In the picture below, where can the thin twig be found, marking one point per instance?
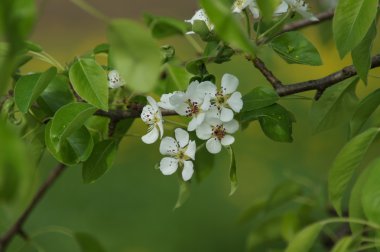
(259, 64)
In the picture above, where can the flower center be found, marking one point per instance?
(220, 99)
(219, 131)
(193, 108)
(181, 155)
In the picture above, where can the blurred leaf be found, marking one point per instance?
(100, 160)
(31, 46)
(344, 244)
(259, 97)
(267, 8)
(233, 177)
(102, 48)
(227, 26)
(283, 193)
(134, 54)
(90, 81)
(355, 208)
(74, 149)
(345, 164)
(197, 66)
(304, 240)
(201, 28)
(167, 52)
(371, 193)
(183, 194)
(293, 47)
(175, 78)
(163, 27)
(352, 20)
(363, 111)
(88, 243)
(204, 163)
(29, 87)
(335, 107)
(69, 119)
(361, 54)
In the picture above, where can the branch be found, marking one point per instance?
(17, 228)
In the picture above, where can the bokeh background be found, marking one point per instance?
(130, 209)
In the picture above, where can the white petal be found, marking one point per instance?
(177, 98)
(235, 102)
(168, 146)
(232, 126)
(206, 103)
(200, 118)
(114, 79)
(152, 102)
(227, 140)
(148, 114)
(182, 137)
(191, 149)
(193, 124)
(229, 83)
(165, 102)
(188, 170)
(281, 9)
(207, 88)
(213, 145)
(226, 114)
(204, 131)
(255, 11)
(168, 165)
(191, 91)
(151, 137)
(213, 112)
(160, 126)
(183, 109)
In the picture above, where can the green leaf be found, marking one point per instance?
(304, 240)
(335, 107)
(355, 208)
(88, 243)
(29, 87)
(101, 159)
(163, 27)
(352, 20)
(201, 28)
(183, 193)
(267, 8)
(101, 48)
(90, 81)
(294, 48)
(371, 193)
(345, 164)
(363, 111)
(233, 177)
(74, 149)
(31, 46)
(344, 244)
(260, 97)
(361, 54)
(227, 26)
(134, 54)
(122, 128)
(69, 119)
(175, 78)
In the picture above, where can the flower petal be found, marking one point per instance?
(213, 112)
(183, 109)
(160, 126)
(193, 124)
(168, 146)
(232, 126)
(204, 131)
(152, 102)
(281, 9)
(213, 145)
(177, 98)
(188, 170)
(229, 83)
(206, 104)
(207, 88)
(168, 165)
(151, 136)
(227, 140)
(235, 102)
(226, 114)
(114, 79)
(191, 149)
(182, 137)
(165, 102)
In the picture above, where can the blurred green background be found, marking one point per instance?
(130, 209)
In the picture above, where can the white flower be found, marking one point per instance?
(226, 101)
(165, 101)
(201, 16)
(300, 7)
(114, 79)
(194, 102)
(180, 151)
(151, 115)
(217, 133)
(240, 5)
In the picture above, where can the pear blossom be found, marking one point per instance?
(201, 16)
(227, 100)
(299, 6)
(115, 80)
(165, 101)
(180, 151)
(240, 5)
(193, 103)
(151, 115)
(217, 133)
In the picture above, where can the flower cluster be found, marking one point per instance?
(211, 112)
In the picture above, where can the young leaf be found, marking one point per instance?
(226, 25)
(345, 164)
(88, 243)
(29, 87)
(260, 97)
(233, 177)
(90, 81)
(100, 160)
(183, 194)
(344, 244)
(69, 119)
(294, 48)
(361, 54)
(363, 111)
(163, 27)
(351, 22)
(335, 106)
(135, 54)
(304, 240)
(371, 193)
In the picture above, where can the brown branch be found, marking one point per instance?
(17, 228)
(259, 64)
